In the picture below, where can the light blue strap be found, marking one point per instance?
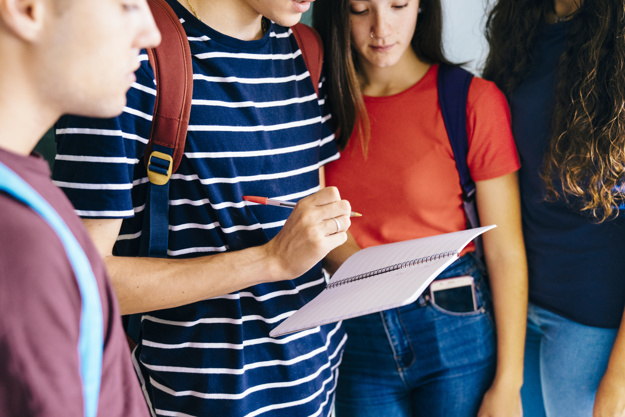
(90, 343)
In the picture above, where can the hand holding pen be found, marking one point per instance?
(317, 225)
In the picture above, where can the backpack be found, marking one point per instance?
(173, 72)
(453, 90)
(91, 338)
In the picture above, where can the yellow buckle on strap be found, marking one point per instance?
(159, 168)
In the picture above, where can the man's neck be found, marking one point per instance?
(23, 120)
(233, 18)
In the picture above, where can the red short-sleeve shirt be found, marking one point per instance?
(408, 185)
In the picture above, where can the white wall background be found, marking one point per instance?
(463, 29)
(463, 32)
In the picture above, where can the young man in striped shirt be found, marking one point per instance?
(234, 270)
(60, 56)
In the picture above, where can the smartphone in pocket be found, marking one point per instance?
(454, 294)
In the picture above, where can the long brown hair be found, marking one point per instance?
(586, 155)
(331, 19)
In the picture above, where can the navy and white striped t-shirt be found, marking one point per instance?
(257, 128)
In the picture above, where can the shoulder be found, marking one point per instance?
(483, 91)
(492, 151)
(40, 304)
(31, 250)
(37, 284)
(486, 101)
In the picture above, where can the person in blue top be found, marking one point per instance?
(561, 64)
(234, 269)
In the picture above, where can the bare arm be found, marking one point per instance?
(499, 203)
(610, 399)
(147, 284)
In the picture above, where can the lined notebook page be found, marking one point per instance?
(383, 291)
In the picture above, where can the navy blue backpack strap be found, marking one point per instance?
(91, 339)
(173, 71)
(453, 91)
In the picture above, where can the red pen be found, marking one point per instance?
(289, 204)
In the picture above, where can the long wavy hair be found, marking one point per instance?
(331, 19)
(586, 156)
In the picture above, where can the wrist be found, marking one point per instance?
(339, 255)
(508, 378)
(615, 373)
(272, 264)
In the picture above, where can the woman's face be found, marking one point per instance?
(381, 30)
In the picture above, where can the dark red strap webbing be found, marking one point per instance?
(309, 42)
(171, 62)
(174, 83)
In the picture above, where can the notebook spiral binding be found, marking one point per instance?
(390, 268)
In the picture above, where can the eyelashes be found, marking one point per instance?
(362, 12)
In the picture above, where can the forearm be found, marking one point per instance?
(508, 278)
(610, 398)
(616, 365)
(499, 203)
(148, 284)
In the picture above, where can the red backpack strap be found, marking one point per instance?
(173, 71)
(310, 44)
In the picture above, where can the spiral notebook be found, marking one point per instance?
(380, 277)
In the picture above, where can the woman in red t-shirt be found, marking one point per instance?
(438, 356)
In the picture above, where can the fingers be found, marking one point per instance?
(335, 240)
(334, 213)
(336, 225)
(324, 196)
(327, 204)
(317, 225)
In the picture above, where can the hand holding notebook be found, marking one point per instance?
(380, 277)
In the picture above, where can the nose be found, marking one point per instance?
(148, 35)
(381, 26)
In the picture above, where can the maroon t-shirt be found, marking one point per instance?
(40, 313)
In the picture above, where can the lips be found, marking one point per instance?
(301, 6)
(131, 75)
(382, 48)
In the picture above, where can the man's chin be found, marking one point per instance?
(292, 16)
(288, 21)
(101, 109)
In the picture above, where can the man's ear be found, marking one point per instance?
(24, 18)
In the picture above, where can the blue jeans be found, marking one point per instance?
(419, 360)
(564, 363)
